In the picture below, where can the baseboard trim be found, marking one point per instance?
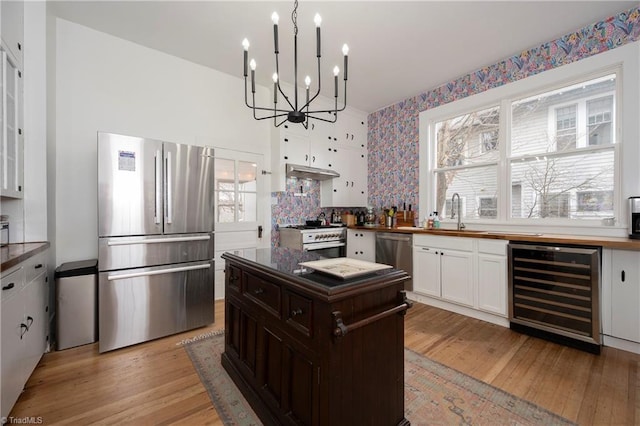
(459, 309)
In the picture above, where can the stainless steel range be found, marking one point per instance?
(327, 241)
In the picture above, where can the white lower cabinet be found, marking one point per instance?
(621, 295)
(464, 275)
(361, 245)
(492, 276)
(443, 267)
(24, 326)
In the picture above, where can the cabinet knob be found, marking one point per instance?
(38, 266)
(258, 291)
(296, 311)
(8, 286)
(622, 276)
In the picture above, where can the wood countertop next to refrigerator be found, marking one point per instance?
(14, 254)
(621, 243)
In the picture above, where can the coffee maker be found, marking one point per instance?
(634, 217)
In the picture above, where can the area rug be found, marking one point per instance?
(434, 393)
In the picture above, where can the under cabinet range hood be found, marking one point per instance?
(306, 172)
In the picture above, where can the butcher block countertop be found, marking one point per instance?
(532, 237)
(12, 254)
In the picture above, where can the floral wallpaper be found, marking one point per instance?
(393, 131)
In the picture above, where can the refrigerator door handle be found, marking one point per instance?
(157, 272)
(158, 240)
(158, 183)
(168, 179)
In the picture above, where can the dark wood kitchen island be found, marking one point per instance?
(309, 348)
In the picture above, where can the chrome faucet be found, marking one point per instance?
(456, 211)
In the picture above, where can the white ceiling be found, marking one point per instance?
(398, 49)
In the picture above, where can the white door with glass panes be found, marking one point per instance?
(241, 202)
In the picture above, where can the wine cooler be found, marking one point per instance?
(554, 293)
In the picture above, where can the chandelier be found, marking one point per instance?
(297, 112)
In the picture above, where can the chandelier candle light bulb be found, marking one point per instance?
(345, 52)
(275, 18)
(245, 45)
(252, 64)
(275, 87)
(297, 113)
(318, 20)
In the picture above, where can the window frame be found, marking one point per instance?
(622, 62)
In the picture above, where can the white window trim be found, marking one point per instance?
(625, 62)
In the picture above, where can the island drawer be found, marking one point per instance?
(298, 312)
(263, 293)
(233, 277)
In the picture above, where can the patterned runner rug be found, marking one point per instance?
(434, 393)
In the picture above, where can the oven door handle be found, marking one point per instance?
(321, 246)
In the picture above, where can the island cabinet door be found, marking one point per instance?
(365, 375)
(241, 339)
(285, 379)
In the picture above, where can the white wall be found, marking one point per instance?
(35, 119)
(103, 83)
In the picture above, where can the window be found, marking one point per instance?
(447, 212)
(467, 154)
(599, 116)
(489, 141)
(553, 170)
(554, 205)
(595, 201)
(236, 191)
(566, 128)
(488, 207)
(557, 156)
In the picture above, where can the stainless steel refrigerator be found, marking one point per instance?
(156, 241)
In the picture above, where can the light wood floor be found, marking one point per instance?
(155, 383)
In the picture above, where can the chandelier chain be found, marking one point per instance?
(294, 17)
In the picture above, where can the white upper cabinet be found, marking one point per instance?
(350, 159)
(351, 131)
(350, 189)
(11, 97)
(11, 123)
(339, 146)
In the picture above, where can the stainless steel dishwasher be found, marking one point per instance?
(396, 249)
